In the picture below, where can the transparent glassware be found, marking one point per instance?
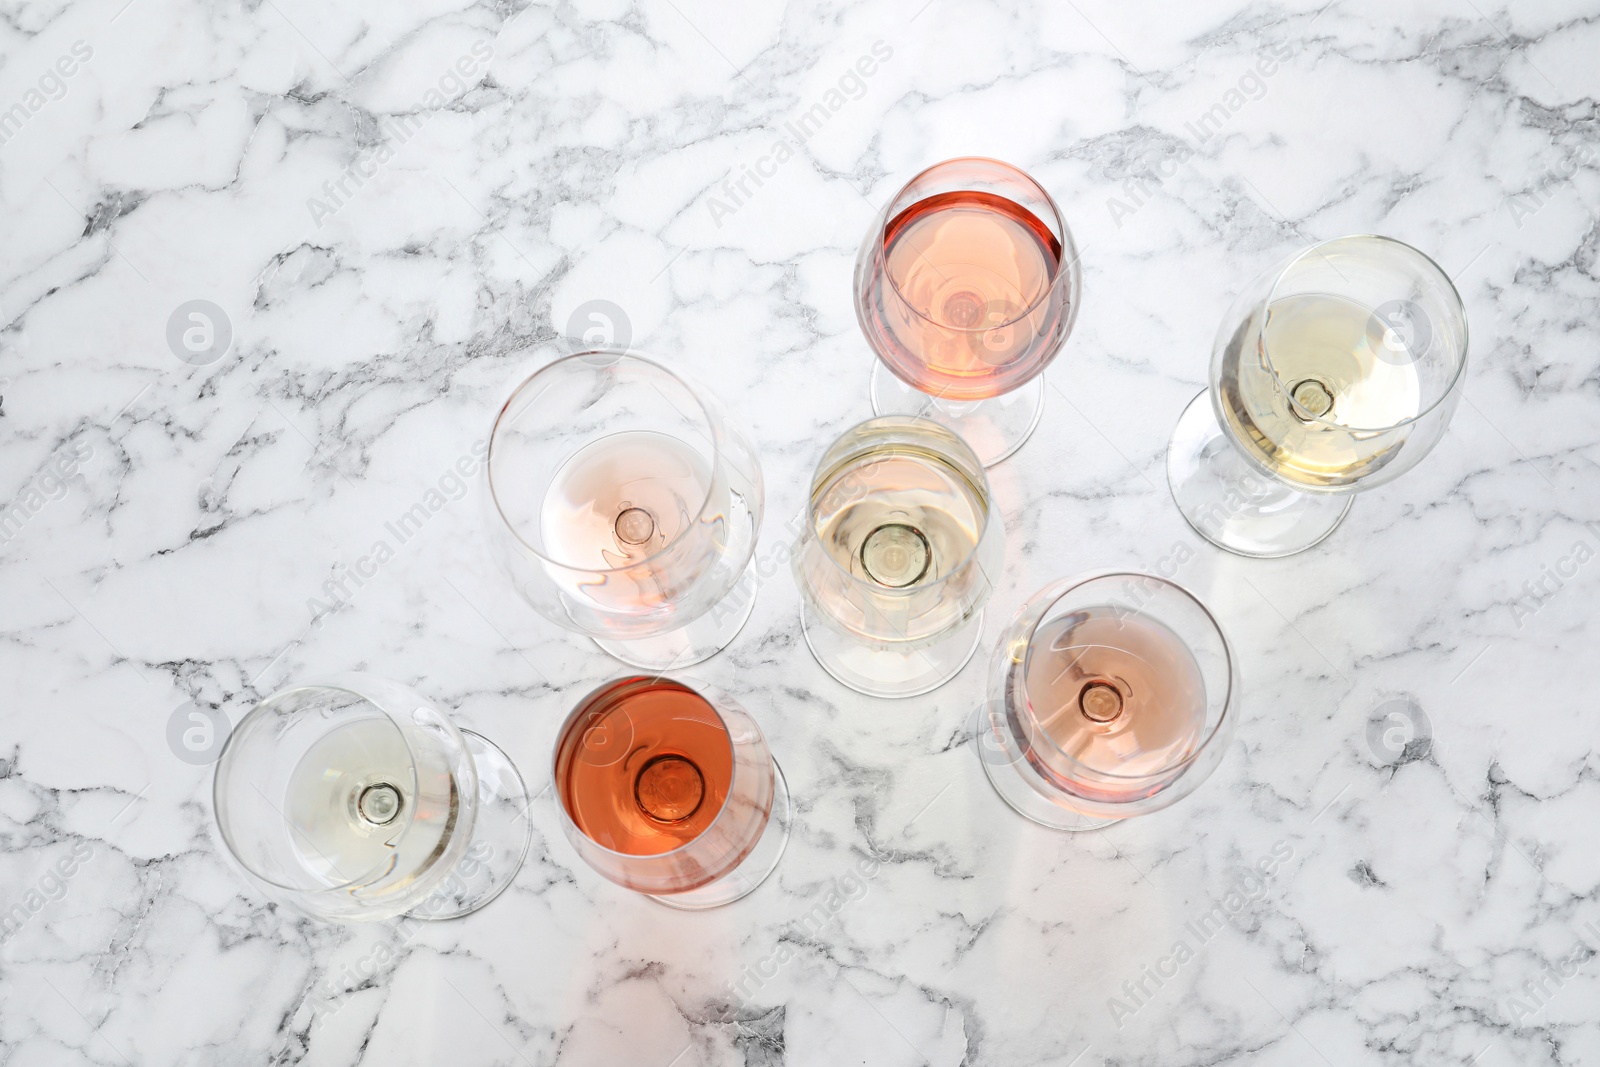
(966, 287)
(624, 506)
(1112, 695)
(1335, 371)
(669, 789)
(897, 554)
(353, 798)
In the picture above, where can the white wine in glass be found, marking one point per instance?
(353, 798)
(1335, 371)
(897, 555)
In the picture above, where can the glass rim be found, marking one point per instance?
(1070, 585)
(705, 411)
(1456, 303)
(344, 683)
(810, 531)
(570, 825)
(1065, 262)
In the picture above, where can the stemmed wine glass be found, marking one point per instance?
(898, 552)
(1112, 695)
(1335, 371)
(670, 790)
(354, 798)
(966, 287)
(625, 506)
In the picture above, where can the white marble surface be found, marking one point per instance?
(586, 160)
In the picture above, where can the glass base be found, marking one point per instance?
(1006, 772)
(754, 869)
(995, 428)
(500, 836)
(696, 642)
(1232, 504)
(880, 672)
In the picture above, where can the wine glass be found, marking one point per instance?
(966, 287)
(1113, 695)
(624, 506)
(898, 552)
(1335, 371)
(670, 790)
(353, 798)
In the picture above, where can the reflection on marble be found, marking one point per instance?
(399, 208)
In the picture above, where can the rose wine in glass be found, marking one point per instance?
(622, 498)
(970, 266)
(966, 288)
(671, 790)
(646, 768)
(1122, 696)
(624, 506)
(1113, 696)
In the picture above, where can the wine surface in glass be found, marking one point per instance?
(621, 499)
(352, 809)
(899, 516)
(644, 767)
(1117, 692)
(971, 270)
(1350, 375)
